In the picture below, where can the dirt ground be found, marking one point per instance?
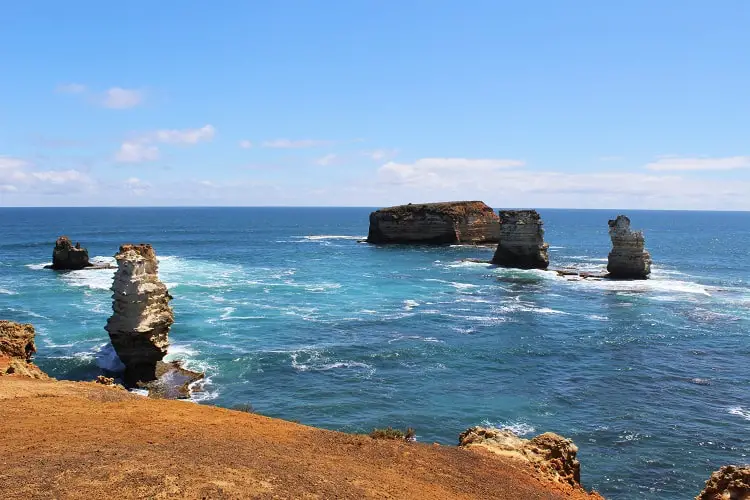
(84, 440)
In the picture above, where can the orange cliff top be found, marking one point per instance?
(85, 440)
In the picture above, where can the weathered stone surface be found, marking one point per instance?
(549, 453)
(16, 350)
(172, 381)
(139, 325)
(728, 483)
(521, 241)
(628, 258)
(471, 222)
(67, 256)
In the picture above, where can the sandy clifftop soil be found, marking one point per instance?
(85, 440)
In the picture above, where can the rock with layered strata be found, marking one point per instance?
(142, 316)
(731, 482)
(628, 258)
(521, 241)
(69, 257)
(16, 350)
(549, 453)
(470, 222)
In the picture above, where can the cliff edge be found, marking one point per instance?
(471, 222)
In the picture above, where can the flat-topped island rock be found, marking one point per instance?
(470, 222)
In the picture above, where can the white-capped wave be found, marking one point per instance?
(740, 412)
(319, 237)
(597, 317)
(36, 267)
(410, 304)
(414, 337)
(5, 291)
(518, 428)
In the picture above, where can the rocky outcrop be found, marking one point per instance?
(471, 222)
(549, 453)
(728, 483)
(139, 325)
(173, 381)
(16, 350)
(69, 257)
(628, 258)
(521, 241)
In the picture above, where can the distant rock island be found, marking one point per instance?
(628, 258)
(470, 222)
(521, 241)
(69, 257)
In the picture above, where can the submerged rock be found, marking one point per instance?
(16, 350)
(470, 222)
(139, 325)
(521, 241)
(628, 258)
(549, 453)
(67, 257)
(172, 381)
(728, 483)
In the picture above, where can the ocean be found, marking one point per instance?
(285, 309)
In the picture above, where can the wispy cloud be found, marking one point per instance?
(245, 144)
(442, 170)
(112, 98)
(17, 174)
(676, 164)
(137, 186)
(71, 88)
(381, 154)
(295, 144)
(143, 148)
(327, 159)
(120, 98)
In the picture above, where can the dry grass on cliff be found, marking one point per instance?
(85, 440)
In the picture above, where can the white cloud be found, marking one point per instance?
(381, 154)
(676, 164)
(8, 188)
(295, 144)
(185, 136)
(327, 159)
(9, 163)
(136, 152)
(71, 88)
(60, 176)
(120, 98)
(137, 186)
(142, 149)
(245, 144)
(442, 171)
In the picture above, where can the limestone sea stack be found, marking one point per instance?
(471, 222)
(16, 350)
(728, 483)
(628, 258)
(551, 454)
(139, 325)
(521, 241)
(69, 257)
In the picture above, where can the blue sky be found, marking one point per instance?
(581, 104)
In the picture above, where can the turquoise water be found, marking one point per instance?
(284, 309)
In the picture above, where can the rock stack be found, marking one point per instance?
(139, 325)
(521, 241)
(67, 257)
(16, 349)
(550, 453)
(628, 258)
(471, 222)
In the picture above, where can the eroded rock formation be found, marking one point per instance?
(16, 349)
(470, 222)
(728, 483)
(67, 256)
(549, 453)
(139, 325)
(628, 258)
(521, 241)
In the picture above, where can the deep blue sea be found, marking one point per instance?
(284, 309)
